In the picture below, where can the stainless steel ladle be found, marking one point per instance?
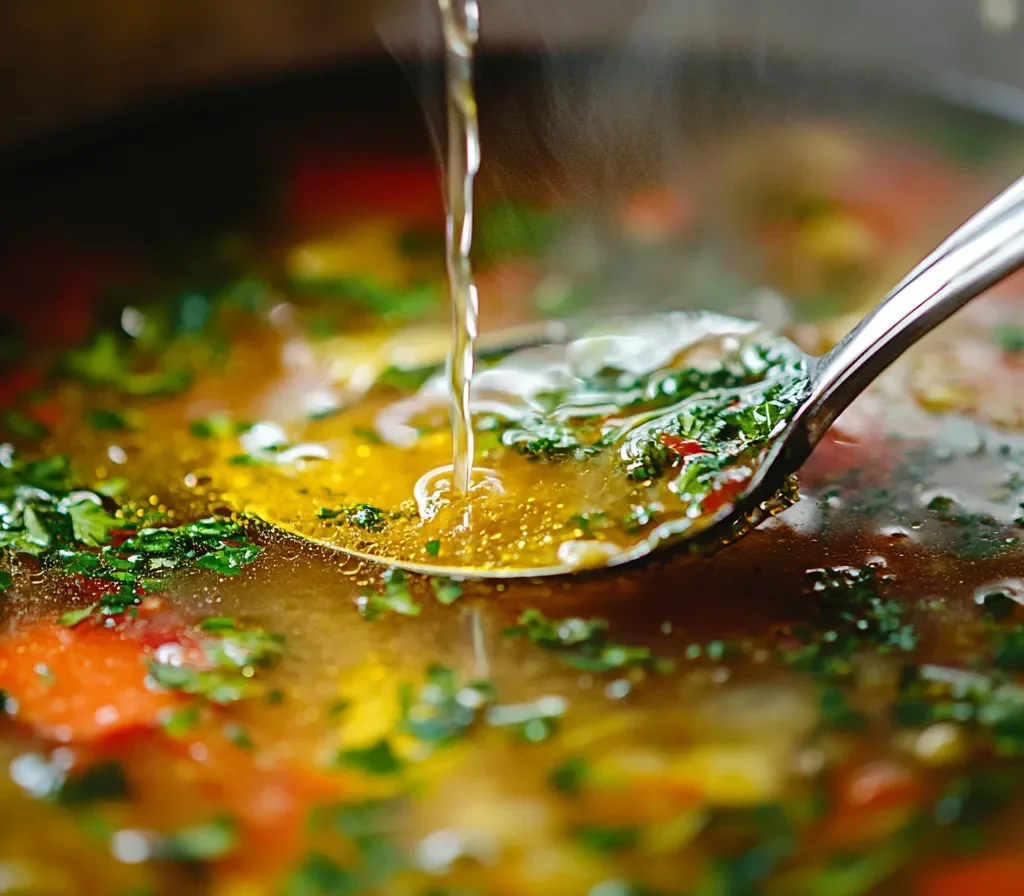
(983, 251)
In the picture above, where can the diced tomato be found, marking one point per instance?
(680, 446)
(878, 785)
(994, 876)
(727, 493)
(87, 683)
(871, 800)
(324, 188)
(656, 214)
(270, 802)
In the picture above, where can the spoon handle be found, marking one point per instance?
(983, 251)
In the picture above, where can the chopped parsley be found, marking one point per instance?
(1010, 338)
(447, 591)
(850, 598)
(376, 759)
(42, 508)
(112, 362)
(362, 830)
(24, 426)
(105, 419)
(442, 710)
(141, 560)
(604, 840)
(583, 643)
(387, 302)
(395, 598)
(179, 722)
(231, 655)
(570, 777)
(74, 617)
(362, 516)
(217, 426)
(199, 843)
(102, 782)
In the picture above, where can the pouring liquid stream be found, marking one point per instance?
(460, 24)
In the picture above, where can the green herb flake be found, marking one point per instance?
(369, 435)
(583, 643)
(605, 840)
(395, 598)
(1010, 338)
(446, 590)
(320, 875)
(109, 361)
(362, 516)
(181, 721)
(201, 843)
(74, 617)
(570, 777)
(337, 708)
(229, 561)
(102, 782)
(217, 426)
(233, 653)
(377, 759)
(107, 420)
(238, 736)
(443, 710)
(387, 302)
(20, 424)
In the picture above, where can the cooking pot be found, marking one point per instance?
(79, 60)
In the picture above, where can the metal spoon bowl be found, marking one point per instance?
(983, 251)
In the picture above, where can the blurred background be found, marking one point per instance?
(784, 159)
(68, 62)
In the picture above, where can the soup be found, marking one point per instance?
(198, 700)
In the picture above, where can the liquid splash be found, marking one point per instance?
(460, 21)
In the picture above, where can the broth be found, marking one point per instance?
(196, 701)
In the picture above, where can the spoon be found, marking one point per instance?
(983, 251)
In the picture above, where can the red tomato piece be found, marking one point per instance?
(879, 785)
(87, 683)
(680, 446)
(271, 803)
(994, 876)
(872, 800)
(726, 493)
